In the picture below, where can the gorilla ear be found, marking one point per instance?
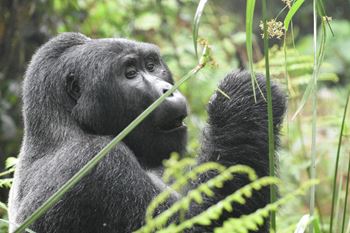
(72, 86)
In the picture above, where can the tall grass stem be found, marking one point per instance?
(337, 162)
(314, 117)
(269, 116)
(346, 197)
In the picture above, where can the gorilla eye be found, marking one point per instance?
(150, 66)
(130, 72)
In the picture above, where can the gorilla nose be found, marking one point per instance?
(167, 89)
(172, 111)
(177, 102)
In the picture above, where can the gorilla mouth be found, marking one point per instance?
(173, 124)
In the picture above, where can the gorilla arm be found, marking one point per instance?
(237, 133)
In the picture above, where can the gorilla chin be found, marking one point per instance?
(154, 149)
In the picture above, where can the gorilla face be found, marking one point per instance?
(121, 80)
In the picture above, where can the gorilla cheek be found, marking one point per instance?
(82, 114)
(92, 116)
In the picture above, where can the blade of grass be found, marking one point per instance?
(196, 22)
(322, 12)
(337, 162)
(295, 7)
(311, 88)
(5, 173)
(317, 225)
(249, 40)
(292, 32)
(314, 117)
(302, 224)
(317, 66)
(271, 138)
(346, 196)
(338, 201)
(322, 50)
(280, 12)
(93, 162)
(223, 93)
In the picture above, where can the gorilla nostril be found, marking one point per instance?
(165, 90)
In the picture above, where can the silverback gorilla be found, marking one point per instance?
(79, 93)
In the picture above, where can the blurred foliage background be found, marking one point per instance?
(25, 25)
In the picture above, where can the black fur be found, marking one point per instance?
(78, 93)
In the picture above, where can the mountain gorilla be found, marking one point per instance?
(79, 93)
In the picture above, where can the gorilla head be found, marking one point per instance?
(100, 86)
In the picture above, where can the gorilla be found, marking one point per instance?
(79, 93)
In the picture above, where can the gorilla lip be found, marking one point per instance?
(173, 124)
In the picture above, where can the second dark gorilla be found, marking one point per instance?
(79, 93)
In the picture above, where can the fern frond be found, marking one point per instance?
(196, 194)
(251, 222)
(214, 212)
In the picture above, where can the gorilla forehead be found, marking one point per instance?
(120, 47)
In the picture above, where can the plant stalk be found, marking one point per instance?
(314, 118)
(271, 138)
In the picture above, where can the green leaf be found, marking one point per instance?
(302, 224)
(249, 40)
(251, 225)
(295, 7)
(340, 140)
(214, 213)
(317, 225)
(197, 197)
(227, 207)
(6, 183)
(346, 198)
(322, 12)
(259, 219)
(204, 221)
(219, 184)
(206, 190)
(10, 162)
(307, 93)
